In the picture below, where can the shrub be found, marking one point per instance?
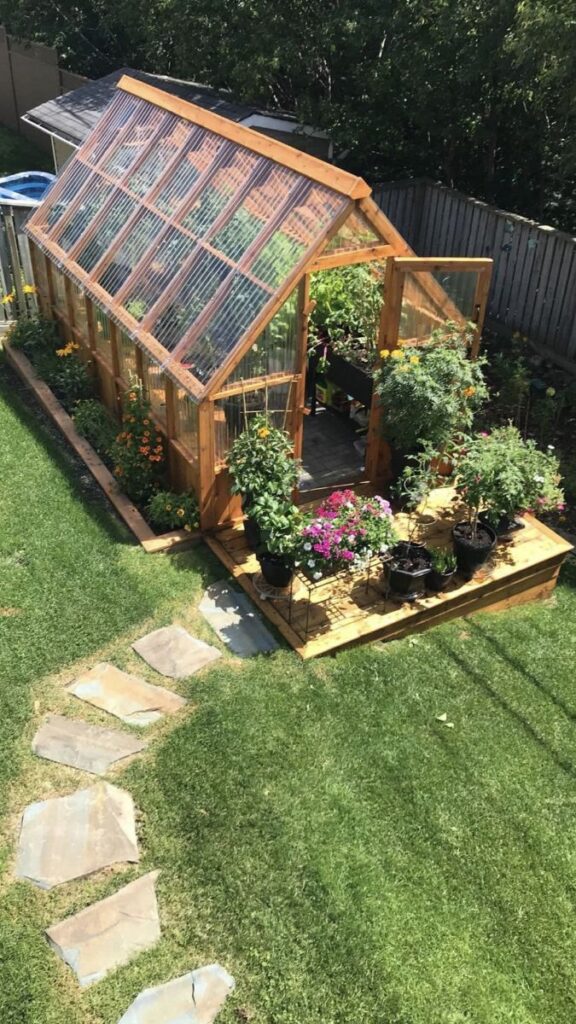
(169, 511)
(279, 521)
(96, 424)
(69, 378)
(34, 336)
(504, 475)
(261, 461)
(138, 451)
(430, 392)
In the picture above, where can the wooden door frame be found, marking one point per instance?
(378, 451)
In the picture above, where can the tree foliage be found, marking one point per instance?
(478, 94)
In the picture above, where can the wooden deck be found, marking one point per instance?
(353, 608)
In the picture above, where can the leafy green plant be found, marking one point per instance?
(138, 451)
(137, 308)
(442, 561)
(69, 378)
(34, 336)
(430, 392)
(504, 475)
(413, 487)
(347, 311)
(510, 378)
(167, 510)
(261, 462)
(96, 424)
(279, 521)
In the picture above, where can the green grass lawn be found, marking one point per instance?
(17, 153)
(349, 858)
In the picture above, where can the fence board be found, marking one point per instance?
(533, 286)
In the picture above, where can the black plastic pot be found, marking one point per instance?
(472, 552)
(252, 533)
(504, 527)
(407, 584)
(439, 581)
(351, 378)
(277, 570)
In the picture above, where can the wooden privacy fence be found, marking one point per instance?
(15, 263)
(534, 278)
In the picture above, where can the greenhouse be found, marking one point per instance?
(190, 252)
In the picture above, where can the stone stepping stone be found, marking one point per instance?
(173, 652)
(195, 998)
(73, 836)
(109, 933)
(128, 697)
(79, 745)
(234, 618)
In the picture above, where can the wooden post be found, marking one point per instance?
(480, 302)
(378, 452)
(206, 489)
(304, 311)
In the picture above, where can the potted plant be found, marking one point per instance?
(442, 571)
(515, 476)
(279, 522)
(261, 462)
(345, 532)
(430, 391)
(409, 563)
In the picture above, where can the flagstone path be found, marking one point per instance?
(110, 932)
(71, 837)
(86, 747)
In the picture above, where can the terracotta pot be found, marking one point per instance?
(442, 466)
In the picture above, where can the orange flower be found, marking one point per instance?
(468, 392)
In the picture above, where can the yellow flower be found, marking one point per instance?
(29, 289)
(8, 298)
(187, 527)
(397, 354)
(168, 508)
(550, 392)
(404, 368)
(415, 360)
(384, 353)
(263, 432)
(180, 512)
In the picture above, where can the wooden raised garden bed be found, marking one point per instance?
(352, 608)
(150, 541)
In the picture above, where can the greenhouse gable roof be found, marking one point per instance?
(187, 229)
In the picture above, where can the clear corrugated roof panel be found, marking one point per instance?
(180, 234)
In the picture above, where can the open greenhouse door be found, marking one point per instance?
(422, 294)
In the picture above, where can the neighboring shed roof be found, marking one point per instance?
(74, 115)
(186, 228)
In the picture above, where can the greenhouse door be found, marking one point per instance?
(421, 294)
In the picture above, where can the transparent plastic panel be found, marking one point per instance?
(257, 209)
(243, 302)
(232, 414)
(102, 335)
(103, 237)
(59, 291)
(78, 299)
(460, 287)
(355, 233)
(225, 184)
(122, 110)
(154, 383)
(133, 141)
(156, 272)
(187, 422)
(62, 196)
(159, 156)
(94, 198)
(184, 306)
(127, 257)
(199, 156)
(426, 305)
(126, 358)
(276, 349)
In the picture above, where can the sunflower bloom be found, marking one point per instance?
(263, 432)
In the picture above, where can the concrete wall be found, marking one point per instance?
(29, 75)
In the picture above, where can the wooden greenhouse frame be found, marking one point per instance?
(154, 167)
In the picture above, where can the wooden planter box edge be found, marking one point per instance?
(150, 541)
